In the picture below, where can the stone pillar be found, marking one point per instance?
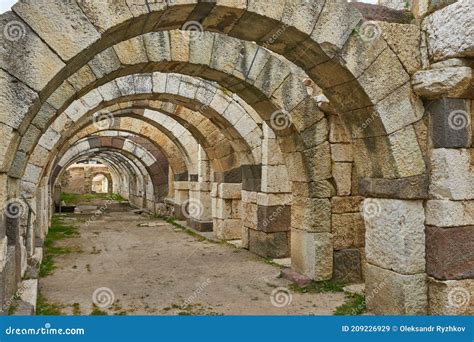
(450, 209)
(268, 208)
(181, 196)
(226, 210)
(395, 253)
(198, 207)
(347, 223)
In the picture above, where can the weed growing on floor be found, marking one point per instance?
(73, 199)
(318, 287)
(76, 309)
(355, 305)
(58, 231)
(43, 308)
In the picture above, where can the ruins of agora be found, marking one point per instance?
(304, 157)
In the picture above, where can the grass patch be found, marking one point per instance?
(72, 199)
(355, 305)
(43, 308)
(97, 312)
(318, 287)
(58, 231)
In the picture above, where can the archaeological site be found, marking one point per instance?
(237, 157)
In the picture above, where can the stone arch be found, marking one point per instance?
(311, 41)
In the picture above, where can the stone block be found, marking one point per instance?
(348, 231)
(452, 174)
(346, 204)
(446, 31)
(392, 293)
(276, 218)
(347, 266)
(450, 252)
(341, 152)
(311, 214)
(444, 213)
(450, 122)
(443, 82)
(415, 187)
(269, 245)
(395, 234)
(312, 254)
(341, 173)
(228, 229)
(229, 190)
(451, 297)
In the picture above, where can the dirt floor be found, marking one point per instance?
(120, 268)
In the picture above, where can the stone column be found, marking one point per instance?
(181, 196)
(198, 207)
(226, 210)
(268, 225)
(450, 208)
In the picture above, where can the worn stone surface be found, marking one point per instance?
(348, 230)
(449, 252)
(452, 174)
(269, 245)
(395, 237)
(450, 122)
(312, 254)
(446, 31)
(445, 213)
(347, 266)
(451, 297)
(391, 293)
(450, 82)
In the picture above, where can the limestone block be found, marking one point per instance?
(105, 62)
(269, 245)
(228, 229)
(77, 32)
(347, 266)
(15, 100)
(404, 40)
(341, 173)
(337, 132)
(312, 254)
(348, 231)
(131, 51)
(449, 31)
(451, 297)
(24, 55)
(392, 293)
(312, 214)
(395, 237)
(105, 15)
(445, 213)
(346, 204)
(275, 179)
(229, 190)
(446, 82)
(341, 152)
(452, 174)
(157, 46)
(49, 139)
(318, 161)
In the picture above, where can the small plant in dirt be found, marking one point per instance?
(44, 308)
(97, 312)
(76, 309)
(355, 305)
(73, 199)
(319, 287)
